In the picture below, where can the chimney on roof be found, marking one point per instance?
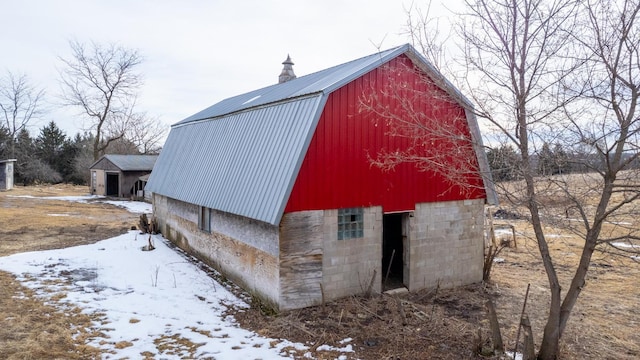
(287, 71)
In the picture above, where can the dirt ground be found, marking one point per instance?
(433, 324)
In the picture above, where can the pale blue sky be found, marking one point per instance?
(196, 52)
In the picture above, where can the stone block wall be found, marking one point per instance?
(446, 244)
(251, 268)
(301, 261)
(348, 265)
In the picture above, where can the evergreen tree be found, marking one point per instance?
(552, 161)
(6, 143)
(50, 146)
(30, 168)
(504, 163)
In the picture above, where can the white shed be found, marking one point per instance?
(6, 174)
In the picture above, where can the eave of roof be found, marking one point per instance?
(129, 162)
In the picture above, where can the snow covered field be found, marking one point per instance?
(159, 302)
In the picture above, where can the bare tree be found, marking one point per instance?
(103, 82)
(146, 133)
(549, 71)
(20, 104)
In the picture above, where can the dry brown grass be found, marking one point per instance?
(604, 322)
(30, 328)
(29, 224)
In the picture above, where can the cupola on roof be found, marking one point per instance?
(287, 71)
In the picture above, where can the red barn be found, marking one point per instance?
(315, 186)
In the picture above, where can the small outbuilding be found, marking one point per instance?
(119, 175)
(6, 174)
(276, 188)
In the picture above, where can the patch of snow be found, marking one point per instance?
(136, 207)
(498, 260)
(619, 223)
(556, 236)
(80, 199)
(625, 245)
(635, 257)
(147, 296)
(347, 348)
(498, 232)
(517, 356)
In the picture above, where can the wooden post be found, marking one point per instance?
(370, 287)
(389, 267)
(529, 351)
(522, 315)
(496, 336)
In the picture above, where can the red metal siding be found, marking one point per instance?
(337, 170)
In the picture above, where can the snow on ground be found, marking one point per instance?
(146, 298)
(80, 198)
(625, 245)
(136, 207)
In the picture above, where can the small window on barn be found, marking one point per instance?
(204, 221)
(350, 223)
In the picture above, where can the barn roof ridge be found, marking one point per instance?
(325, 81)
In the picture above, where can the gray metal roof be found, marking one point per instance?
(244, 163)
(322, 81)
(242, 155)
(130, 162)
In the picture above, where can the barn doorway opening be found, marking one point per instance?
(113, 184)
(393, 248)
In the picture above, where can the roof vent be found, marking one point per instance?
(287, 71)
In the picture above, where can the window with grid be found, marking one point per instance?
(350, 223)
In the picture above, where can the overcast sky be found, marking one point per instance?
(196, 53)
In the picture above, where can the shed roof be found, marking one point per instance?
(130, 162)
(255, 142)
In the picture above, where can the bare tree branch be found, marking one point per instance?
(20, 103)
(103, 82)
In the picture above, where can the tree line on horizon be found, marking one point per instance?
(552, 159)
(51, 156)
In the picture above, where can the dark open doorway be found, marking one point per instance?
(393, 250)
(113, 184)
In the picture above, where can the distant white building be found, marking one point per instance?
(6, 174)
